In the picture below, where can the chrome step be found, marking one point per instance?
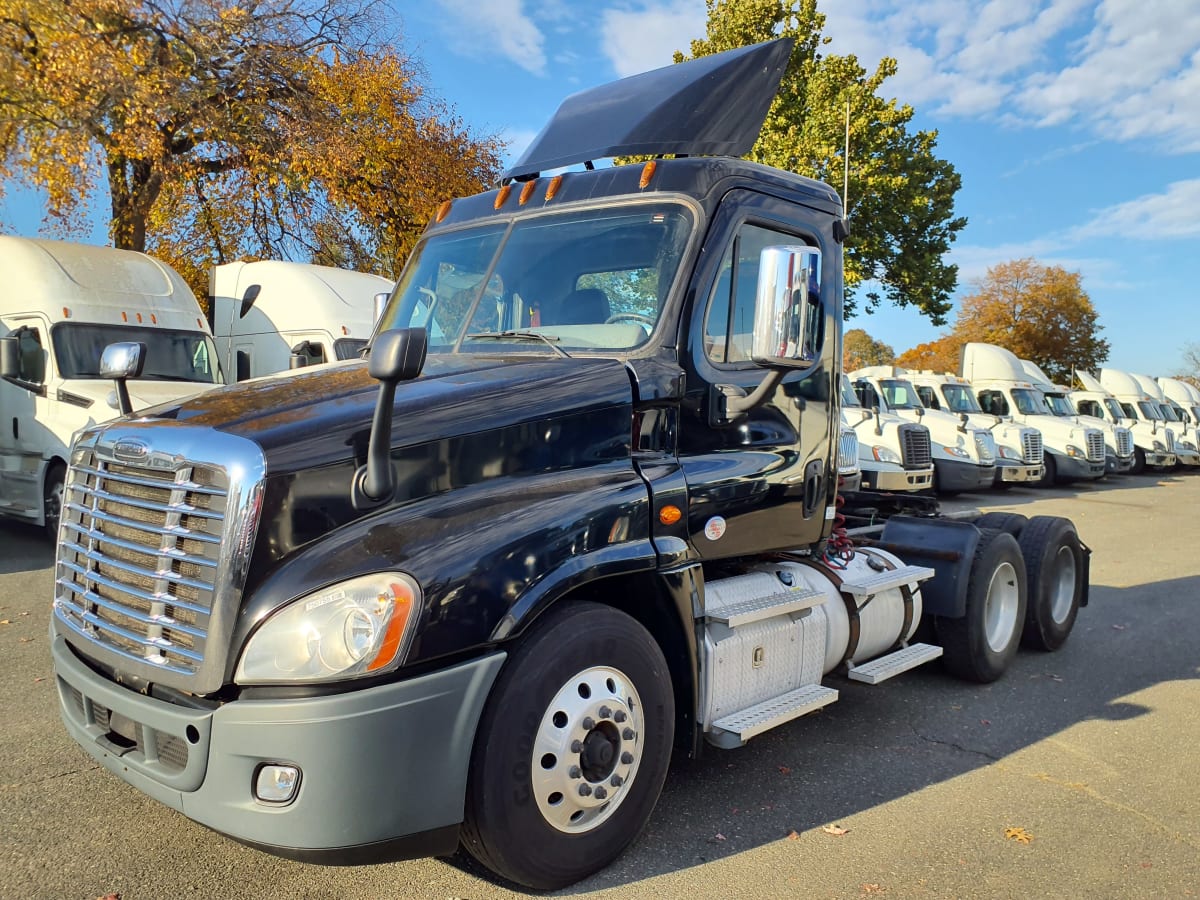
(884, 667)
(882, 581)
(752, 609)
(766, 715)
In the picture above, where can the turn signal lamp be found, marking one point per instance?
(502, 195)
(670, 514)
(552, 189)
(527, 192)
(647, 174)
(443, 210)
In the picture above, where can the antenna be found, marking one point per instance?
(846, 169)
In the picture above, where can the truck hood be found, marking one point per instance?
(142, 394)
(308, 418)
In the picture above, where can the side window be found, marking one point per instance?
(1090, 408)
(993, 403)
(312, 351)
(1129, 411)
(866, 394)
(928, 397)
(32, 356)
(729, 322)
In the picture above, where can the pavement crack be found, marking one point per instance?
(953, 746)
(12, 785)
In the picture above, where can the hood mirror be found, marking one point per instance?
(121, 362)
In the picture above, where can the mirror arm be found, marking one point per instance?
(123, 402)
(736, 406)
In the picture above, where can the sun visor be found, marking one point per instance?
(711, 106)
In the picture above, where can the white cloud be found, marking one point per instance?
(641, 36)
(1165, 216)
(507, 28)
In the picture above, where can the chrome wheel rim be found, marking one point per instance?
(1062, 596)
(587, 750)
(1000, 610)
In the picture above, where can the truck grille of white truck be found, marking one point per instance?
(138, 556)
(1031, 446)
(1095, 445)
(914, 446)
(985, 446)
(848, 452)
(1170, 440)
(1124, 438)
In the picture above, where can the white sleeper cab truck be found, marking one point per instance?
(269, 316)
(1184, 398)
(1018, 447)
(1181, 441)
(894, 455)
(849, 471)
(1071, 451)
(1116, 393)
(62, 304)
(1118, 440)
(964, 456)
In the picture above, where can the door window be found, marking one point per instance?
(32, 356)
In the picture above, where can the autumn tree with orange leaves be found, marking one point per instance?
(1039, 312)
(224, 130)
(860, 350)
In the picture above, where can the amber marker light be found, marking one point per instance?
(669, 514)
(552, 190)
(153, 319)
(124, 316)
(402, 598)
(502, 195)
(66, 313)
(443, 210)
(527, 192)
(139, 318)
(647, 173)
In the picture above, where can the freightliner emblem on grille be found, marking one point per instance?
(130, 450)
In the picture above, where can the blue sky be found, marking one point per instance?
(1075, 125)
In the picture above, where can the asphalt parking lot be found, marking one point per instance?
(1075, 775)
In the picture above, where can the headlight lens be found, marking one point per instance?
(347, 630)
(1160, 446)
(1072, 450)
(1009, 453)
(957, 451)
(885, 455)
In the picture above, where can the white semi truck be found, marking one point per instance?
(894, 455)
(1184, 398)
(1018, 447)
(1071, 450)
(62, 304)
(1118, 440)
(1152, 443)
(269, 316)
(1180, 440)
(964, 456)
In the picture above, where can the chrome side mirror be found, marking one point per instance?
(787, 312)
(121, 362)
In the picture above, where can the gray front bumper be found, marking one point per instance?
(1072, 468)
(376, 764)
(963, 476)
(1011, 472)
(1117, 465)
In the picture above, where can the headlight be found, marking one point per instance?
(1072, 450)
(884, 455)
(346, 630)
(1160, 446)
(957, 451)
(1188, 445)
(1009, 453)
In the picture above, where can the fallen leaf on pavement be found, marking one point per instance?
(1020, 835)
(25, 641)
(792, 835)
(5, 621)
(1119, 627)
(835, 830)
(113, 896)
(985, 721)
(784, 770)
(873, 889)
(721, 837)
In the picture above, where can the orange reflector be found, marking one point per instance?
(66, 313)
(153, 319)
(669, 515)
(139, 318)
(647, 173)
(403, 599)
(555, 184)
(527, 192)
(443, 210)
(502, 195)
(198, 325)
(345, 330)
(124, 317)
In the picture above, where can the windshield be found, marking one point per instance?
(1030, 402)
(591, 279)
(171, 355)
(1059, 405)
(1169, 412)
(849, 398)
(1114, 408)
(900, 394)
(1150, 410)
(959, 399)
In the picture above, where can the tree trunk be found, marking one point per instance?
(133, 185)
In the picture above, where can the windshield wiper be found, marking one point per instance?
(550, 342)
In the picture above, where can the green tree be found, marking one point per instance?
(901, 196)
(859, 350)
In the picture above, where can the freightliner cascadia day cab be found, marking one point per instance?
(964, 456)
(1133, 409)
(1018, 447)
(477, 587)
(894, 455)
(1070, 451)
(269, 316)
(63, 303)
(1118, 440)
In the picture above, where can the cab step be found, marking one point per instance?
(775, 711)
(892, 578)
(754, 609)
(890, 664)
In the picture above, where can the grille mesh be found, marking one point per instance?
(138, 554)
(1095, 445)
(1124, 441)
(915, 446)
(848, 452)
(1031, 447)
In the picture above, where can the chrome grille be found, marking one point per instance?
(1170, 440)
(848, 452)
(139, 550)
(1095, 445)
(1124, 439)
(915, 446)
(1031, 446)
(985, 446)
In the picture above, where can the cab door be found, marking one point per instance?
(762, 481)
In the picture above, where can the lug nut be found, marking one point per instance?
(616, 781)
(619, 716)
(576, 746)
(605, 712)
(601, 793)
(574, 772)
(589, 723)
(629, 734)
(627, 758)
(585, 790)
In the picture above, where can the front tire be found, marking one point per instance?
(1050, 475)
(981, 645)
(1139, 461)
(52, 499)
(1054, 563)
(572, 749)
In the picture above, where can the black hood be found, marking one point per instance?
(311, 418)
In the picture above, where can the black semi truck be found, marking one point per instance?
(575, 512)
